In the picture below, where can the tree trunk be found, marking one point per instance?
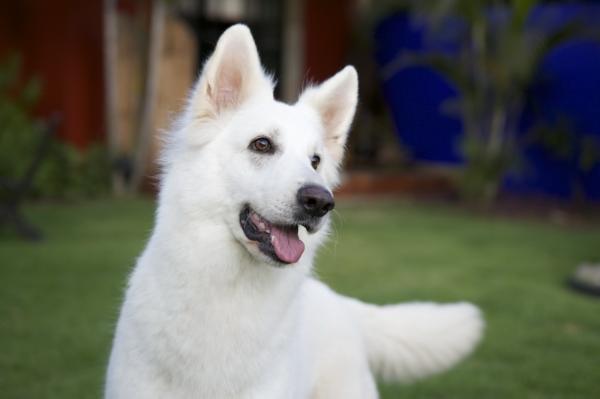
(110, 91)
(144, 134)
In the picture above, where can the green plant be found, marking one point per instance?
(65, 172)
(561, 143)
(72, 173)
(499, 53)
(18, 130)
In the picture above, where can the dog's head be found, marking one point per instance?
(265, 168)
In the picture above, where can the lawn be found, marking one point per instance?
(59, 299)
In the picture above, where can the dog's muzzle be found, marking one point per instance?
(280, 241)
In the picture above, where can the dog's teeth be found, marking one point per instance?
(255, 219)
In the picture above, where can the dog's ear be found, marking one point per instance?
(231, 75)
(335, 102)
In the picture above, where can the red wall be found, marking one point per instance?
(61, 42)
(326, 37)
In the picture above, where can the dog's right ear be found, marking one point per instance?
(231, 76)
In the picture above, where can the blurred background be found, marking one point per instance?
(472, 172)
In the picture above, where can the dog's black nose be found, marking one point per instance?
(315, 200)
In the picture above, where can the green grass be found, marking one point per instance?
(59, 298)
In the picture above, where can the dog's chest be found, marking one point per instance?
(207, 335)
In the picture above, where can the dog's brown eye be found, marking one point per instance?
(315, 160)
(262, 144)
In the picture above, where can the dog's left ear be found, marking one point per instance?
(335, 102)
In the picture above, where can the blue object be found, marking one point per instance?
(569, 89)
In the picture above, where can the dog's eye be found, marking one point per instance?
(261, 144)
(315, 160)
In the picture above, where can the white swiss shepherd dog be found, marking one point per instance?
(222, 303)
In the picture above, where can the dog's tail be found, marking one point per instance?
(409, 341)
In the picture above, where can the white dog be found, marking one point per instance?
(222, 303)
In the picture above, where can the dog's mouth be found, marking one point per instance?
(280, 242)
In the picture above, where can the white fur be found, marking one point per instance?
(206, 314)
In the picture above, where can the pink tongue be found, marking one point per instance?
(288, 246)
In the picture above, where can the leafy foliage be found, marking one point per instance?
(559, 141)
(18, 131)
(66, 172)
(494, 68)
